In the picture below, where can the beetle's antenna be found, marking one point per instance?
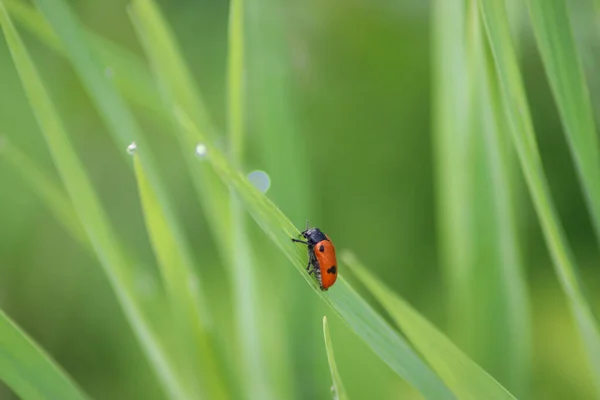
(306, 225)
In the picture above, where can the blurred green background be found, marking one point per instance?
(347, 83)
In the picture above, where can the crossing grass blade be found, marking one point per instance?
(516, 112)
(463, 376)
(561, 59)
(27, 370)
(340, 391)
(88, 208)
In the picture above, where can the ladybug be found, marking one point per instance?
(321, 256)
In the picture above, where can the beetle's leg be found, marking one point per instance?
(299, 241)
(309, 263)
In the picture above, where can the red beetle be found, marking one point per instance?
(321, 256)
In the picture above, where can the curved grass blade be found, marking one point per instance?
(88, 208)
(463, 376)
(523, 137)
(359, 316)
(563, 66)
(340, 391)
(27, 370)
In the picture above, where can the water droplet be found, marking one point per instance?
(131, 148)
(108, 72)
(260, 180)
(201, 150)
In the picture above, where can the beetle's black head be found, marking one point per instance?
(314, 236)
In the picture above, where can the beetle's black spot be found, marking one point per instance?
(321, 248)
(332, 270)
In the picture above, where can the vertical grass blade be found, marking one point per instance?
(563, 66)
(244, 273)
(340, 391)
(523, 137)
(88, 208)
(513, 313)
(463, 376)
(195, 345)
(478, 250)
(359, 316)
(275, 124)
(451, 115)
(27, 370)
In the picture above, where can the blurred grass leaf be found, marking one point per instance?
(124, 68)
(88, 208)
(361, 318)
(27, 370)
(49, 191)
(182, 286)
(177, 86)
(124, 130)
(520, 125)
(464, 377)
(451, 141)
(245, 275)
(563, 66)
(340, 391)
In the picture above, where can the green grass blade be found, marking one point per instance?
(359, 316)
(87, 206)
(177, 87)
(244, 272)
(451, 142)
(276, 124)
(563, 66)
(124, 130)
(27, 370)
(513, 313)
(49, 191)
(182, 287)
(523, 137)
(475, 227)
(125, 69)
(340, 391)
(463, 376)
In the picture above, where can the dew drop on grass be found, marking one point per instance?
(131, 148)
(260, 180)
(201, 150)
